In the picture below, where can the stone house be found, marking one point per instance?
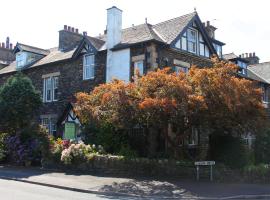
(81, 62)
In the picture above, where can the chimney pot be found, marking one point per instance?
(240, 56)
(69, 28)
(208, 23)
(246, 55)
(250, 55)
(254, 54)
(7, 43)
(72, 29)
(77, 30)
(3, 45)
(10, 46)
(65, 27)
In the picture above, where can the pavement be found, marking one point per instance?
(105, 187)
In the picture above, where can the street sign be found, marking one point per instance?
(205, 163)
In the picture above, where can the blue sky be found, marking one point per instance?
(242, 24)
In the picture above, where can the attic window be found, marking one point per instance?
(20, 59)
(192, 40)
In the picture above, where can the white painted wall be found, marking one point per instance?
(114, 26)
(118, 65)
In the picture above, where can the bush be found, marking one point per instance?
(228, 150)
(78, 153)
(29, 146)
(262, 147)
(3, 150)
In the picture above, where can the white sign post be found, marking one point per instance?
(204, 163)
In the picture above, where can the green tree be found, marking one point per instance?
(19, 102)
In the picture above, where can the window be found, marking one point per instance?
(184, 41)
(88, 67)
(264, 94)
(50, 124)
(20, 59)
(139, 66)
(179, 69)
(192, 40)
(50, 89)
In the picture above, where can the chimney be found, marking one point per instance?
(11, 46)
(210, 29)
(3, 45)
(69, 38)
(251, 58)
(114, 26)
(7, 43)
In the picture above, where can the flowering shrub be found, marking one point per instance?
(2, 146)
(77, 153)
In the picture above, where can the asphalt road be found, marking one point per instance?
(13, 190)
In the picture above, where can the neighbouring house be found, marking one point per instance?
(6, 55)
(80, 62)
(250, 68)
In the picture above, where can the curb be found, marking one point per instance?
(132, 195)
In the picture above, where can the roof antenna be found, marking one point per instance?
(146, 20)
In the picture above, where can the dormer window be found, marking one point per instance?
(20, 59)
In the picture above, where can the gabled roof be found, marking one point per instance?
(54, 55)
(261, 71)
(170, 29)
(27, 48)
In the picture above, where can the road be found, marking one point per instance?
(13, 190)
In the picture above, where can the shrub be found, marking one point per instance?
(262, 147)
(17, 113)
(78, 153)
(228, 150)
(3, 151)
(29, 146)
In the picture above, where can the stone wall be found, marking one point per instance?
(70, 81)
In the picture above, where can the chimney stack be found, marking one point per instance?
(7, 43)
(210, 29)
(114, 26)
(251, 58)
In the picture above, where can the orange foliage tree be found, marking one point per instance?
(214, 99)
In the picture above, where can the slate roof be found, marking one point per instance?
(260, 71)
(32, 49)
(169, 30)
(54, 55)
(164, 32)
(229, 56)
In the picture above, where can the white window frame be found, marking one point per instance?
(50, 124)
(179, 69)
(88, 66)
(50, 87)
(140, 68)
(191, 40)
(20, 59)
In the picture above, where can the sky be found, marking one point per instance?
(242, 24)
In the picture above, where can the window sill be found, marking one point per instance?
(87, 79)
